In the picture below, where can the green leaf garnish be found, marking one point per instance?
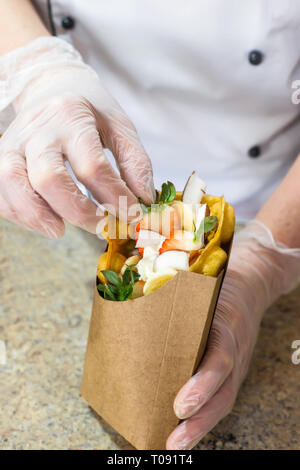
(167, 195)
(126, 278)
(206, 225)
(118, 289)
(112, 277)
(210, 222)
(165, 192)
(172, 193)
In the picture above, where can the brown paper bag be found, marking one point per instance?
(140, 352)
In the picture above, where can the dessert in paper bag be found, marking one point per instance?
(155, 296)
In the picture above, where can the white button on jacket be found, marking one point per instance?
(207, 84)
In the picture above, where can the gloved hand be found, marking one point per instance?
(259, 271)
(63, 112)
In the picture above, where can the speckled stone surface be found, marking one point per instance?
(46, 295)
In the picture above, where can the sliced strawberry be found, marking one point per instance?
(164, 221)
(137, 229)
(141, 250)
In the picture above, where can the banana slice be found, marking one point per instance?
(157, 282)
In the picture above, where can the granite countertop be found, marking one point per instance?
(46, 296)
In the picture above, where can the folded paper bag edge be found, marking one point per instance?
(184, 308)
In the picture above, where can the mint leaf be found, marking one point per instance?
(165, 193)
(207, 224)
(110, 292)
(108, 296)
(210, 222)
(171, 193)
(130, 276)
(112, 277)
(134, 276)
(107, 291)
(126, 276)
(118, 289)
(168, 194)
(126, 292)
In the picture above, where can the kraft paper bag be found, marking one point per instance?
(140, 352)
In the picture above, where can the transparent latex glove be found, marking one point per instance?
(63, 112)
(259, 272)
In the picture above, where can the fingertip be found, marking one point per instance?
(149, 194)
(170, 444)
(188, 400)
(178, 411)
(148, 189)
(186, 410)
(175, 443)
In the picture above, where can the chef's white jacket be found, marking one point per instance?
(208, 84)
